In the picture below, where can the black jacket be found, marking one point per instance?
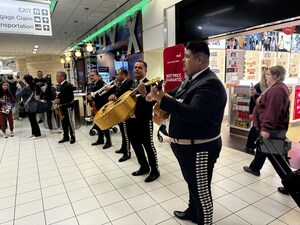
(143, 109)
(66, 95)
(200, 114)
(123, 87)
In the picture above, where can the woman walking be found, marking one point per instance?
(30, 104)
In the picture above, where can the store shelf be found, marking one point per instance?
(239, 114)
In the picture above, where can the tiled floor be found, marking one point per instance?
(43, 182)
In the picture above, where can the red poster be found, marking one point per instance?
(173, 66)
(297, 103)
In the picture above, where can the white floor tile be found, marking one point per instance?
(231, 202)
(85, 205)
(154, 215)
(34, 219)
(118, 210)
(110, 197)
(29, 208)
(59, 213)
(141, 202)
(95, 217)
(272, 207)
(7, 214)
(132, 219)
(255, 216)
(56, 200)
(45, 183)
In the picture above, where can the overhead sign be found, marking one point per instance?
(25, 18)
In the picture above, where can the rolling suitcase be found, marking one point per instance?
(289, 179)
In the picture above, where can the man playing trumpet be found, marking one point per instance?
(97, 100)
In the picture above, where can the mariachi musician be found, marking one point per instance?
(140, 127)
(125, 84)
(65, 99)
(97, 101)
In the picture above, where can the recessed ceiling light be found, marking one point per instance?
(36, 46)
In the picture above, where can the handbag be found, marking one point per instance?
(277, 143)
(43, 107)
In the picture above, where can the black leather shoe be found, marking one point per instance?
(107, 145)
(125, 157)
(72, 141)
(282, 190)
(140, 172)
(97, 143)
(63, 140)
(249, 170)
(120, 151)
(152, 177)
(184, 216)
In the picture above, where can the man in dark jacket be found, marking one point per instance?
(97, 101)
(196, 111)
(140, 127)
(66, 102)
(123, 86)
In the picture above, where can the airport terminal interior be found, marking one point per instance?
(43, 182)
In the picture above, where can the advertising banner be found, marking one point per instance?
(297, 103)
(19, 17)
(173, 66)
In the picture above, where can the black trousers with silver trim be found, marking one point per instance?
(197, 163)
(140, 134)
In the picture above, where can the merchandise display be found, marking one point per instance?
(239, 107)
(295, 64)
(267, 59)
(283, 59)
(234, 66)
(252, 64)
(217, 62)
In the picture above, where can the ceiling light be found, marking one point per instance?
(36, 46)
(62, 60)
(78, 53)
(68, 58)
(89, 47)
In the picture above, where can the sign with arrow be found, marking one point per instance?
(20, 17)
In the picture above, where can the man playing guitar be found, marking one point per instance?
(124, 85)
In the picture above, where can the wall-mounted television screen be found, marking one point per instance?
(198, 20)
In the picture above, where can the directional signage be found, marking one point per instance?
(25, 18)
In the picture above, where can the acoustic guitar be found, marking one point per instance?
(160, 115)
(116, 112)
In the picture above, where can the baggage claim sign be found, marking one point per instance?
(25, 18)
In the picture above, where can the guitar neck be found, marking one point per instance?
(148, 83)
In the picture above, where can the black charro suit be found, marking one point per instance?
(66, 97)
(196, 113)
(140, 130)
(100, 100)
(125, 147)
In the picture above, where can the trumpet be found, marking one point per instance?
(102, 90)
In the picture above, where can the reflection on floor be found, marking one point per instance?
(43, 182)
